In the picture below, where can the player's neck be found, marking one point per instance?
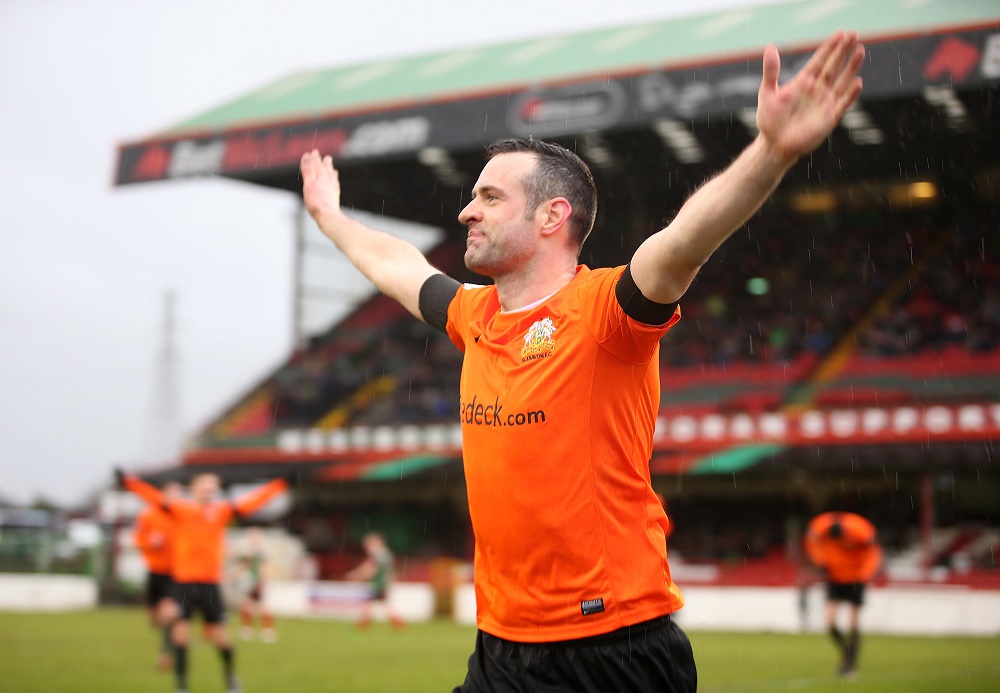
(532, 283)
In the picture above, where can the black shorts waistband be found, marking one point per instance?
(623, 634)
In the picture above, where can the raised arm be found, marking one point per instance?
(793, 119)
(258, 498)
(393, 265)
(147, 492)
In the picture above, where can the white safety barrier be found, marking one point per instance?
(412, 601)
(924, 610)
(917, 610)
(46, 592)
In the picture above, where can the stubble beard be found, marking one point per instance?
(493, 258)
(484, 260)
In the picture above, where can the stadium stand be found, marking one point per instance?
(733, 349)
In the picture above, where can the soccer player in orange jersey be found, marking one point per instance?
(844, 546)
(153, 536)
(560, 387)
(199, 536)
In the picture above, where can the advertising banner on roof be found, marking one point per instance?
(585, 103)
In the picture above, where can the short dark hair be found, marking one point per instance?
(558, 173)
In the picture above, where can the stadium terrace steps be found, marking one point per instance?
(251, 418)
(834, 362)
(865, 380)
(339, 416)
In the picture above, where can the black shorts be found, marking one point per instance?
(205, 597)
(853, 592)
(159, 586)
(650, 656)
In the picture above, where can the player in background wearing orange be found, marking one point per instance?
(560, 386)
(844, 547)
(377, 570)
(199, 538)
(253, 567)
(153, 536)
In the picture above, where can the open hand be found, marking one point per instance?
(320, 185)
(795, 117)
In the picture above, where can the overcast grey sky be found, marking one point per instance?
(84, 266)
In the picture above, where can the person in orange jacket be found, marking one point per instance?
(843, 545)
(198, 551)
(153, 536)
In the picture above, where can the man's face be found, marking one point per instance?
(501, 237)
(204, 488)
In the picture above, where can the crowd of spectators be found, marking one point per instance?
(955, 301)
(781, 287)
(417, 366)
(784, 286)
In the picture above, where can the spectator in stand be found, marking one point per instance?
(844, 547)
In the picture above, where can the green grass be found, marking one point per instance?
(777, 662)
(112, 651)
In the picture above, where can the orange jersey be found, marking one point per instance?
(153, 536)
(558, 405)
(200, 530)
(853, 557)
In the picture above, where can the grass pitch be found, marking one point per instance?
(112, 651)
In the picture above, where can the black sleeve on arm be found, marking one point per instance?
(435, 297)
(637, 306)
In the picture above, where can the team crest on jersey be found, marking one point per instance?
(538, 342)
